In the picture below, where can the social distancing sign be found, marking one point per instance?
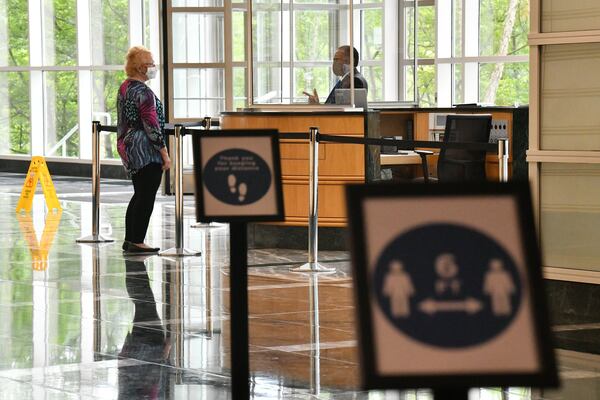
(449, 286)
(238, 176)
(38, 171)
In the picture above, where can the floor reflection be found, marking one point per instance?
(39, 249)
(147, 341)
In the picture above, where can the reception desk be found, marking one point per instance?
(341, 164)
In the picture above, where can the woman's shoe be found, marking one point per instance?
(134, 249)
(125, 244)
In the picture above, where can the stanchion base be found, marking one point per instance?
(313, 268)
(179, 252)
(94, 239)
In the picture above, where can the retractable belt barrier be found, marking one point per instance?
(315, 137)
(178, 131)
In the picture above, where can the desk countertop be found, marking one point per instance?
(411, 158)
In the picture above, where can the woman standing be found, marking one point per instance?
(141, 145)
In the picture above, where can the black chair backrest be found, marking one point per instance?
(464, 165)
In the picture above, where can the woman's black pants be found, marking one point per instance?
(145, 185)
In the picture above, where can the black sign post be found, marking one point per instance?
(238, 298)
(238, 180)
(449, 289)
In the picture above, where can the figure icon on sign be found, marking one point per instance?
(242, 190)
(399, 288)
(499, 286)
(446, 268)
(231, 180)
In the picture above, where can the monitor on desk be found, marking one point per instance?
(342, 96)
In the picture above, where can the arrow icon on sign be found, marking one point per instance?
(469, 305)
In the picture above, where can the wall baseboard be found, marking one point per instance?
(70, 168)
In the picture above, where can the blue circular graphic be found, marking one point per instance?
(237, 177)
(447, 285)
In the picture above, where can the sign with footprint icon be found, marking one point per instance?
(238, 176)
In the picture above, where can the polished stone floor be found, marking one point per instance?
(87, 322)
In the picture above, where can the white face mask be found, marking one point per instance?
(151, 73)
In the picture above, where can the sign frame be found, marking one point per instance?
(545, 376)
(273, 135)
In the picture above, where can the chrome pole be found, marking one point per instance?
(178, 189)
(178, 250)
(503, 160)
(313, 208)
(95, 237)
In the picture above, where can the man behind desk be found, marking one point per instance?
(341, 68)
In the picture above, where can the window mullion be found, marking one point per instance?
(443, 50)
(85, 79)
(36, 77)
(228, 39)
(471, 43)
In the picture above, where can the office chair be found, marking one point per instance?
(457, 164)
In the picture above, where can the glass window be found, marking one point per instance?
(198, 92)
(61, 114)
(570, 218)
(294, 44)
(504, 84)
(458, 91)
(14, 33)
(15, 113)
(59, 29)
(239, 88)
(503, 27)
(238, 36)
(104, 108)
(426, 85)
(110, 33)
(457, 28)
(198, 38)
(426, 32)
(60, 32)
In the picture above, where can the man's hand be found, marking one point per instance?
(312, 98)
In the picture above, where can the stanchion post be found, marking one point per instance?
(178, 250)
(503, 160)
(95, 237)
(313, 208)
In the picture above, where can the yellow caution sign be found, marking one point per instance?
(40, 250)
(38, 170)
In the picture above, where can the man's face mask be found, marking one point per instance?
(340, 69)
